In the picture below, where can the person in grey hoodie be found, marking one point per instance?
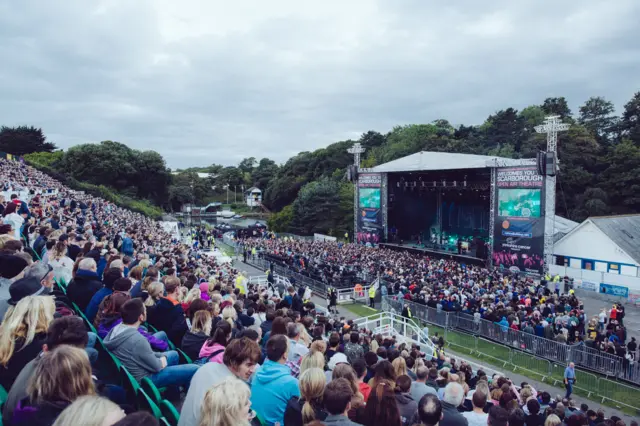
(407, 407)
(135, 353)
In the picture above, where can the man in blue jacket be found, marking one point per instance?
(273, 385)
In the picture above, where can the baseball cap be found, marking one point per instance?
(25, 287)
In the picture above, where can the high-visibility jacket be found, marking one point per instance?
(372, 292)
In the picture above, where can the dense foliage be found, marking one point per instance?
(599, 164)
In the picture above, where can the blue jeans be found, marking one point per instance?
(569, 387)
(174, 374)
(161, 335)
(92, 353)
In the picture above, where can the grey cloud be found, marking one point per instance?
(203, 83)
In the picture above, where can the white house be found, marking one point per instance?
(603, 253)
(253, 196)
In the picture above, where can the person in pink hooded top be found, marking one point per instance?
(213, 348)
(204, 292)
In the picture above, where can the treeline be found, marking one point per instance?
(599, 164)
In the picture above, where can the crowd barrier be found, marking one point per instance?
(531, 355)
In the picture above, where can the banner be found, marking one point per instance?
(614, 290)
(519, 219)
(369, 208)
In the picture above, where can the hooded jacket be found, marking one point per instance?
(192, 343)
(82, 288)
(108, 323)
(408, 409)
(169, 317)
(134, 351)
(271, 389)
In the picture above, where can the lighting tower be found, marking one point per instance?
(356, 150)
(552, 125)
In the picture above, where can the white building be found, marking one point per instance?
(253, 196)
(603, 254)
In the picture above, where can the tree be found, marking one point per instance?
(630, 123)
(46, 159)
(621, 180)
(134, 173)
(247, 165)
(372, 139)
(231, 176)
(504, 128)
(23, 140)
(557, 106)
(596, 115)
(322, 207)
(264, 173)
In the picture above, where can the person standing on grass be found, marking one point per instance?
(569, 379)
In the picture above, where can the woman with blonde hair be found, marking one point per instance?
(22, 334)
(155, 291)
(90, 411)
(62, 265)
(312, 359)
(318, 346)
(230, 315)
(399, 366)
(195, 338)
(193, 294)
(227, 404)
(552, 420)
(62, 376)
(308, 407)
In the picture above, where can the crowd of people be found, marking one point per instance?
(547, 308)
(245, 353)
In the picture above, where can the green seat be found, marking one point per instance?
(169, 412)
(3, 399)
(87, 322)
(164, 422)
(146, 404)
(261, 421)
(184, 358)
(151, 390)
(129, 384)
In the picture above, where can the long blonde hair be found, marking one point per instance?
(90, 411)
(32, 315)
(201, 322)
(225, 404)
(230, 315)
(192, 295)
(155, 290)
(312, 383)
(399, 366)
(312, 359)
(64, 374)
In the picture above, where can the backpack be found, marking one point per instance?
(206, 359)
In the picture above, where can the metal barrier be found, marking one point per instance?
(538, 358)
(353, 295)
(582, 355)
(295, 278)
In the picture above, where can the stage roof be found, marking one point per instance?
(425, 161)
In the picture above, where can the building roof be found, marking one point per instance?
(562, 227)
(429, 160)
(253, 188)
(623, 230)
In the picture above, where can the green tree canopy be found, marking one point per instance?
(23, 140)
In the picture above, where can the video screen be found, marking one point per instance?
(369, 198)
(519, 202)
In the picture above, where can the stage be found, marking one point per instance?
(439, 253)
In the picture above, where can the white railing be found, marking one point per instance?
(390, 324)
(262, 280)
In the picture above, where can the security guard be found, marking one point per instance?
(372, 297)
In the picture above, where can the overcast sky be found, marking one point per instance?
(211, 81)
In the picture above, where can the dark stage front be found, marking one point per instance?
(415, 249)
(441, 212)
